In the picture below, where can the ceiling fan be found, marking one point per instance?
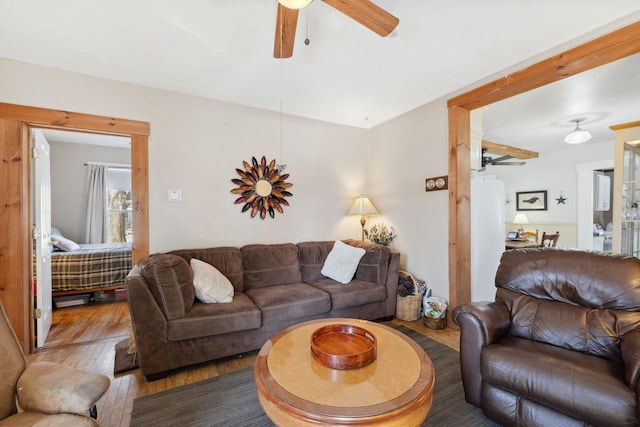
(366, 13)
(498, 161)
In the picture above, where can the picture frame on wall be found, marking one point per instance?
(531, 200)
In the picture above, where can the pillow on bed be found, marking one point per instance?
(342, 262)
(211, 285)
(63, 243)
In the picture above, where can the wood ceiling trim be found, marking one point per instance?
(603, 50)
(507, 150)
(67, 119)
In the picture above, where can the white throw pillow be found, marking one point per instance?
(211, 285)
(342, 262)
(63, 243)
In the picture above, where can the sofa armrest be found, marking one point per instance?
(148, 322)
(481, 324)
(392, 283)
(53, 389)
(630, 350)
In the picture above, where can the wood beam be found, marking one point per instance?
(71, 120)
(507, 150)
(603, 50)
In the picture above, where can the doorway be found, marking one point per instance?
(15, 221)
(83, 263)
(611, 47)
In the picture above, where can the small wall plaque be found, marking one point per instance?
(437, 183)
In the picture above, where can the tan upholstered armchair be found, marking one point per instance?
(48, 394)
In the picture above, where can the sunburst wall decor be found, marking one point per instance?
(261, 187)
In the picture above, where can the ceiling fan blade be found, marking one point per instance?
(501, 159)
(368, 14)
(494, 163)
(286, 23)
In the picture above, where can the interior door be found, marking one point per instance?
(41, 235)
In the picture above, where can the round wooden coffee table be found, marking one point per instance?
(296, 390)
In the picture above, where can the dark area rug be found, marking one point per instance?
(231, 399)
(124, 361)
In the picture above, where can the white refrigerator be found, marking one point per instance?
(487, 236)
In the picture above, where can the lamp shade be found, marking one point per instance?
(577, 136)
(521, 219)
(363, 206)
(294, 4)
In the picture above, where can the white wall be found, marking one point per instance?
(404, 152)
(557, 174)
(68, 182)
(196, 144)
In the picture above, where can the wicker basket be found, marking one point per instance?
(408, 308)
(432, 323)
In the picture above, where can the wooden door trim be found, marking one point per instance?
(16, 291)
(600, 51)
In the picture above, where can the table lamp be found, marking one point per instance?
(363, 207)
(521, 219)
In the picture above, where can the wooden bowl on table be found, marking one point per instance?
(342, 346)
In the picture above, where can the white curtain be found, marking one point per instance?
(95, 230)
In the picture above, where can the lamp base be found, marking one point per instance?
(363, 221)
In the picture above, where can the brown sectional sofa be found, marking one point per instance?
(560, 345)
(275, 286)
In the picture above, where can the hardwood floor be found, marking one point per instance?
(84, 337)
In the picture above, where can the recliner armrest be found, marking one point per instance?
(630, 350)
(51, 388)
(492, 319)
(481, 324)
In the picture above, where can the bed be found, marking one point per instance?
(90, 268)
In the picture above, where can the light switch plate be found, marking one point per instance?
(175, 195)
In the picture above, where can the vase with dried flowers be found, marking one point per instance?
(380, 234)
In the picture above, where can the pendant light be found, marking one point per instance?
(294, 4)
(577, 136)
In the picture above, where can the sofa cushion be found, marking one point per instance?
(352, 294)
(342, 262)
(312, 256)
(211, 286)
(226, 259)
(171, 281)
(291, 301)
(374, 265)
(268, 265)
(561, 379)
(204, 320)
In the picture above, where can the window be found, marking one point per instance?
(119, 214)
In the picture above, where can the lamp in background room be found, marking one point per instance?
(520, 220)
(577, 136)
(363, 207)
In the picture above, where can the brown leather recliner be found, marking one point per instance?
(560, 345)
(48, 394)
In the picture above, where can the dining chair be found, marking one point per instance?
(549, 240)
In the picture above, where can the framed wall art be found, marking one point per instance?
(262, 188)
(531, 200)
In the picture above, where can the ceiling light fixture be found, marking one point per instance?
(577, 136)
(294, 4)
